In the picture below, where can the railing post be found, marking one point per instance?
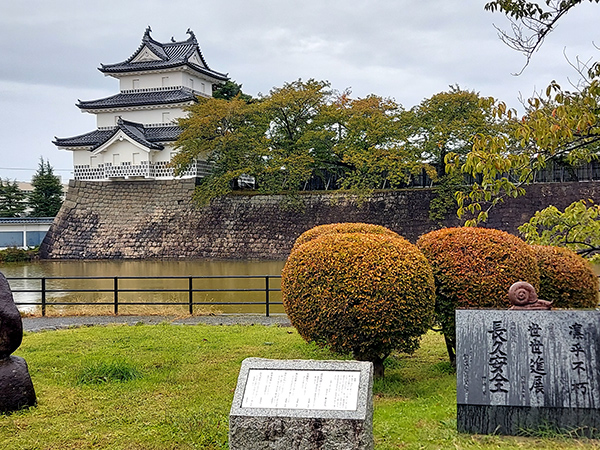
(43, 297)
(191, 295)
(267, 294)
(116, 295)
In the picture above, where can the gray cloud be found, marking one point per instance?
(402, 49)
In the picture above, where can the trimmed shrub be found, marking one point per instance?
(566, 279)
(474, 268)
(342, 228)
(365, 294)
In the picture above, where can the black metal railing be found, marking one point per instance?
(116, 288)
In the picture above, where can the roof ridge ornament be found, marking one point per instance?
(192, 35)
(147, 33)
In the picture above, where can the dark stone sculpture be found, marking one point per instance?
(522, 295)
(16, 387)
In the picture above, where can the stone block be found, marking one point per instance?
(303, 405)
(16, 387)
(528, 370)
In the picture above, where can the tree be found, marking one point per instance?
(372, 143)
(576, 228)
(530, 21)
(12, 199)
(230, 135)
(358, 288)
(558, 126)
(229, 90)
(293, 133)
(47, 196)
(448, 122)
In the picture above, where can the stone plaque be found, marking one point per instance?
(302, 404)
(516, 365)
(302, 389)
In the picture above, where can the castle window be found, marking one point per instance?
(166, 117)
(165, 81)
(135, 83)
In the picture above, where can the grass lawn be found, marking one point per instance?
(170, 387)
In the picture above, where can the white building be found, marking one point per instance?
(137, 127)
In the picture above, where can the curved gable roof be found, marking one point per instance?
(149, 137)
(168, 55)
(132, 99)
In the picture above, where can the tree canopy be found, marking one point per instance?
(47, 196)
(298, 134)
(577, 228)
(559, 126)
(12, 199)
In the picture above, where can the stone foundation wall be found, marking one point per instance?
(156, 219)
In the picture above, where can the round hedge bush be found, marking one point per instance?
(566, 279)
(342, 228)
(474, 268)
(367, 294)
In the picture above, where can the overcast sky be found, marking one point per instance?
(404, 49)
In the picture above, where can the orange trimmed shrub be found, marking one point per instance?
(566, 279)
(342, 228)
(365, 294)
(474, 268)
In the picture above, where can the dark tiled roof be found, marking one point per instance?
(149, 137)
(171, 54)
(122, 100)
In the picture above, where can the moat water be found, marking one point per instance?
(254, 287)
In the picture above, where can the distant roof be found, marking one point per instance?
(165, 56)
(149, 137)
(140, 98)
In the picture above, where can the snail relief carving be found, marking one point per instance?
(522, 295)
(16, 387)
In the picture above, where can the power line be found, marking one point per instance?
(24, 168)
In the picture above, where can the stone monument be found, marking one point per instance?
(530, 369)
(303, 405)
(16, 388)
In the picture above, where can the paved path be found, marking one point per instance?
(56, 323)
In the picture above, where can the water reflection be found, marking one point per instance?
(254, 288)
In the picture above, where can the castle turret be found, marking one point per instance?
(137, 128)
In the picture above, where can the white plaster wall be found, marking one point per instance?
(145, 116)
(125, 150)
(81, 157)
(155, 80)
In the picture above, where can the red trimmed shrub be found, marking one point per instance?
(367, 294)
(342, 228)
(566, 279)
(474, 268)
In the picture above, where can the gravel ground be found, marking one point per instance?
(55, 323)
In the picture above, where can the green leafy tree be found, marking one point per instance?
(12, 199)
(230, 135)
(372, 143)
(531, 22)
(47, 196)
(558, 126)
(448, 122)
(576, 228)
(229, 90)
(293, 133)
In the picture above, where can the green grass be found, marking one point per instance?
(170, 387)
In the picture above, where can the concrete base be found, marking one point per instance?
(515, 420)
(270, 433)
(16, 388)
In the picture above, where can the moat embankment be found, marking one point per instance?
(156, 219)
